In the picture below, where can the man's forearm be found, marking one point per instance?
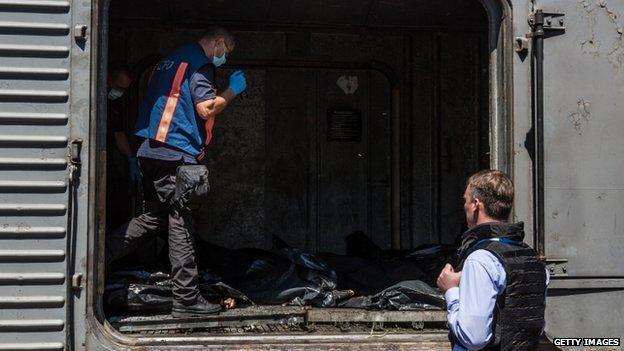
(223, 100)
(211, 108)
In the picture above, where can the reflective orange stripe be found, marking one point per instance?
(208, 127)
(172, 102)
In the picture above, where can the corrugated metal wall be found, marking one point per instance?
(35, 49)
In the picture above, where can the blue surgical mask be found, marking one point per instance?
(219, 60)
(115, 94)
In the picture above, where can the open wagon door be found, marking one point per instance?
(44, 126)
(576, 149)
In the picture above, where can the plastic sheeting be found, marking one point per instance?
(284, 276)
(368, 278)
(406, 295)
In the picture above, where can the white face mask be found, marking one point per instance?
(219, 60)
(115, 94)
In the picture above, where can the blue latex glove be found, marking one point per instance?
(133, 170)
(238, 82)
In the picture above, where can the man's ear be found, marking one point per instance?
(477, 202)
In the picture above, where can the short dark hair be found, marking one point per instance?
(116, 68)
(495, 189)
(214, 32)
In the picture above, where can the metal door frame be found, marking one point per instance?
(100, 333)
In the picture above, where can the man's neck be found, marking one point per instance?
(486, 219)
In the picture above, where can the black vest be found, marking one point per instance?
(519, 310)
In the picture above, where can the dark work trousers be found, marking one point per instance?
(159, 179)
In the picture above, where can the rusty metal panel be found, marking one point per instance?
(448, 124)
(417, 155)
(380, 164)
(457, 124)
(234, 213)
(290, 181)
(343, 175)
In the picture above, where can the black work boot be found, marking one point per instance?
(198, 308)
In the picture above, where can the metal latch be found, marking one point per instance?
(80, 32)
(557, 266)
(77, 281)
(75, 151)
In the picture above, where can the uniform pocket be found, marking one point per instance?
(191, 188)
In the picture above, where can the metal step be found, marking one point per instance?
(238, 317)
(283, 317)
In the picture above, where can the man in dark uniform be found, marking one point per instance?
(496, 294)
(122, 171)
(176, 120)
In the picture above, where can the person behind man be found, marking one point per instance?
(496, 293)
(176, 120)
(122, 167)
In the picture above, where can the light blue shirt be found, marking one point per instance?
(470, 306)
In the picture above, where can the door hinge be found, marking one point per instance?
(558, 267)
(552, 21)
(543, 24)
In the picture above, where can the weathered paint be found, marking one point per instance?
(584, 91)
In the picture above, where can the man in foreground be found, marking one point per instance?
(496, 293)
(176, 120)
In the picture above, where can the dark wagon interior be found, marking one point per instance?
(360, 124)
